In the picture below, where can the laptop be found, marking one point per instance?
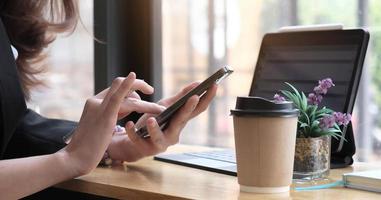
(300, 58)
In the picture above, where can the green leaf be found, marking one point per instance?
(334, 130)
(302, 125)
(292, 97)
(288, 95)
(324, 110)
(318, 116)
(306, 116)
(313, 129)
(312, 113)
(301, 121)
(295, 90)
(313, 109)
(298, 99)
(334, 136)
(337, 126)
(304, 101)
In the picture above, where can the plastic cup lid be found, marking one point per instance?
(257, 106)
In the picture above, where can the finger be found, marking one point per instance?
(184, 91)
(102, 94)
(182, 116)
(139, 106)
(189, 87)
(156, 136)
(112, 102)
(130, 130)
(143, 119)
(138, 84)
(116, 83)
(135, 95)
(142, 86)
(205, 100)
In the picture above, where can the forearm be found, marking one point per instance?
(25, 176)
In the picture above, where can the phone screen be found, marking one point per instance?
(164, 117)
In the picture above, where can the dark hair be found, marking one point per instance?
(31, 25)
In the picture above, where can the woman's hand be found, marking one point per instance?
(99, 117)
(131, 147)
(133, 101)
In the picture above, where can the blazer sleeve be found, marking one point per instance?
(37, 135)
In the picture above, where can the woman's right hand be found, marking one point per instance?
(96, 126)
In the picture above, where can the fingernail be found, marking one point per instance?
(195, 104)
(130, 124)
(132, 74)
(151, 122)
(162, 107)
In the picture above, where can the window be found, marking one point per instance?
(200, 36)
(69, 77)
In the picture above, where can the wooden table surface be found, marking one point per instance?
(150, 179)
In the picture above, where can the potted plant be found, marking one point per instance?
(316, 125)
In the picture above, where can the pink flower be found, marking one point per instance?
(326, 83)
(317, 96)
(323, 86)
(327, 122)
(314, 98)
(341, 118)
(278, 98)
(320, 90)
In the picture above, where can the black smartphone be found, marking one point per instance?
(164, 117)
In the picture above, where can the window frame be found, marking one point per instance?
(128, 39)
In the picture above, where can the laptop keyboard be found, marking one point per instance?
(220, 155)
(220, 161)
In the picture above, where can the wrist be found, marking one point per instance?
(122, 149)
(115, 148)
(70, 167)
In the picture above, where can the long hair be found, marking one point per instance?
(31, 26)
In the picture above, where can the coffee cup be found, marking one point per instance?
(265, 134)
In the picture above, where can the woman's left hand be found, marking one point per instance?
(128, 146)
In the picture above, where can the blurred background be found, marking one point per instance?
(197, 37)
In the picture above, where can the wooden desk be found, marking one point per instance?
(150, 179)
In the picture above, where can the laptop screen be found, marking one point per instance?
(302, 61)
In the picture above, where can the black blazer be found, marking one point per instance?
(23, 132)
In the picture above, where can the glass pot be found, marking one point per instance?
(312, 158)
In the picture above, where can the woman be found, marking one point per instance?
(30, 27)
